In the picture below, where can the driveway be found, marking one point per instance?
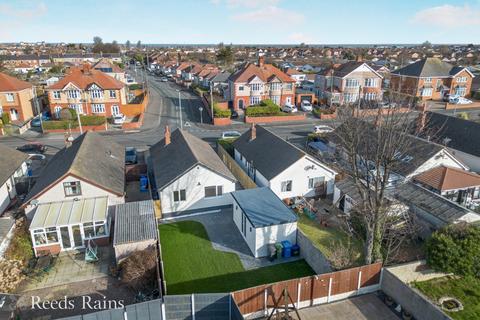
(225, 236)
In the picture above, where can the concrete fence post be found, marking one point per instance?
(230, 306)
(299, 287)
(193, 306)
(162, 303)
(359, 283)
(329, 289)
(265, 297)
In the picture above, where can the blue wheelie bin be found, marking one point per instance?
(287, 249)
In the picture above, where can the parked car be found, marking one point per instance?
(230, 134)
(306, 106)
(33, 148)
(459, 100)
(322, 129)
(130, 155)
(234, 114)
(36, 123)
(289, 108)
(119, 119)
(163, 79)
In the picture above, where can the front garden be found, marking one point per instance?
(192, 265)
(73, 123)
(266, 108)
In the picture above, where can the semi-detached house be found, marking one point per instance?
(348, 82)
(89, 92)
(253, 83)
(12, 165)
(432, 79)
(275, 163)
(16, 98)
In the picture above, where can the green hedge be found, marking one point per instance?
(318, 111)
(5, 118)
(266, 108)
(64, 124)
(135, 86)
(455, 249)
(221, 113)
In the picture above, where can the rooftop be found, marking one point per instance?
(446, 178)
(10, 161)
(134, 222)
(9, 83)
(263, 208)
(69, 212)
(83, 77)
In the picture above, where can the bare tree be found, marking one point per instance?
(375, 141)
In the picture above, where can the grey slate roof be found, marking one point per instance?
(263, 208)
(434, 204)
(428, 67)
(134, 222)
(183, 153)
(10, 161)
(269, 153)
(462, 135)
(94, 158)
(221, 76)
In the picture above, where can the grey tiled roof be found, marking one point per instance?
(263, 208)
(10, 161)
(183, 153)
(134, 222)
(428, 67)
(94, 158)
(269, 153)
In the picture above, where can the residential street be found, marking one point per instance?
(163, 109)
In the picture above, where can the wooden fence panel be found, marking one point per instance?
(344, 281)
(275, 291)
(235, 168)
(370, 274)
(250, 300)
(320, 286)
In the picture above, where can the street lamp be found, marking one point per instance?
(201, 114)
(180, 107)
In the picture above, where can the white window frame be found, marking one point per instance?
(218, 191)
(286, 186)
(370, 82)
(94, 225)
(113, 94)
(179, 195)
(10, 97)
(43, 232)
(73, 94)
(96, 94)
(254, 100)
(427, 92)
(57, 111)
(312, 182)
(427, 80)
(461, 91)
(276, 99)
(78, 185)
(256, 87)
(352, 83)
(98, 108)
(77, 107)
(275, 86)
(57, 95)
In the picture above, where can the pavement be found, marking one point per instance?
(365, 307)
(225, 236)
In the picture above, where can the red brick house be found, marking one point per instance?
(88, 91)
(256, 82)
(432, 79)
(16, 98)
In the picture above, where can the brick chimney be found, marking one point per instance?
(168, 138)
(87, 68)
(261, 61)
(253, 132)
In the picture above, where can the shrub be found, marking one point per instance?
(5, 118)
(318, 111)
(135, 86)
(476, 95)
(264, 109)
(463, 115)
(227, 144)
(221, 113)
(455, 249)
(92, 120)
(58, 124)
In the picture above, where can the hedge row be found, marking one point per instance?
(65, 124)
(318, 111)
(266, 108)
(221, 113)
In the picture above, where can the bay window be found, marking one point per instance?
(96, 94)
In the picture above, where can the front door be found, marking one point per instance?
(115, 110)
(13, 114)
(65, 236)
(77, 236)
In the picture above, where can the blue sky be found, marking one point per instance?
(242, 21)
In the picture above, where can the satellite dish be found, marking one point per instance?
(187, 124)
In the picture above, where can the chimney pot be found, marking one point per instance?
(253, 132)
(167, 136)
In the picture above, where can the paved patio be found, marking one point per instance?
(365, 307)
(225, 236)
(71, 267)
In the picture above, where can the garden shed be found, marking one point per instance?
(135, 228)
(67, 225)
(263, 219)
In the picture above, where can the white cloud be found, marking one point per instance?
(252, 3)
(448, 16)
(23, 13)
(271, 15)
(299, 37)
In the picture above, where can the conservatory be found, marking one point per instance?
(67, 225)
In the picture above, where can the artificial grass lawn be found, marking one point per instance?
(467, 290)
(323, 237)
(193, 266)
